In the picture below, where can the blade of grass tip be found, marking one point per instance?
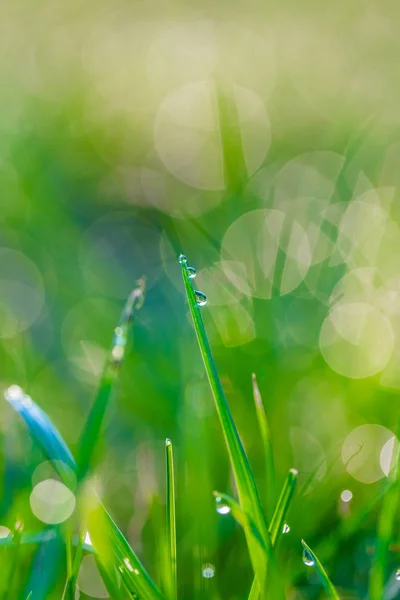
(14, 559)
(386, 523)
(46, 435)
(282, 507)
(171, 520)
(266, 440)
(310, 559)
(95, 419)
(247, 491)
(278, 519)
(29, 596)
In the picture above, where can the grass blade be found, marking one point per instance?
(90, 434)
(107, 539)
(247, 491)
(282, 507)
(266, 440)
(278, 520)
(386, 525)
(326, 582)
(171, 521)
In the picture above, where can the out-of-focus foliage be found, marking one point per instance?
(263, 141)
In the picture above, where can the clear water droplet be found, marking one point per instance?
(182, 259)
(307, 558)
(222, 509)
(208, 570)
(200, 298)
(397, 575)
(285, 528)
(191, 272)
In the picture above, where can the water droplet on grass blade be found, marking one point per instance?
(201, 298)
(191, 272)
(222, 508)
(285, 528)
(307, 558)
(182, 259)
(397, 575)
(208, 570)
(17, 397)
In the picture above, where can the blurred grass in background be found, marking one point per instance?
(263, 142)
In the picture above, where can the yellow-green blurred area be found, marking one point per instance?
(263, 141)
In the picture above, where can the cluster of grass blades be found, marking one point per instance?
(123, 573)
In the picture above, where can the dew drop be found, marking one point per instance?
(307, 558)
(285, 528)
(208, 570)
(200, 298)
(397, 575)
(191, 272)
(222, 509)
(182, 259)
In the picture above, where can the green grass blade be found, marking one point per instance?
(29, 596)
(326, 582)
(266, 440)
(282, 507)
(247, 491)
(257, 542)
(108, 539)
(386, 524)
(90, 434)
(171, 520)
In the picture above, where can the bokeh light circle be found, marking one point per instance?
(22, 295)
(272, 251)
(361, 452)
(52, 502)
(356, 340)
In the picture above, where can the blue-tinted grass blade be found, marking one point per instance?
(326, 582)
(171, 520)
(104, 538)
(247, 491)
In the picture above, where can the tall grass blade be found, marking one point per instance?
(107, 538)
(386, 524)
(266, 440)
(90, 434)
(326, 582)
(247, 491)
(171, 521)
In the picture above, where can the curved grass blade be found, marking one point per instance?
(282, 507)
(247, 491)
(108, 539)
(266, 440)
(326, 582)
(386, 525)
(90, 434)
(171, 521)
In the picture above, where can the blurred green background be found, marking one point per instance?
(263, 141)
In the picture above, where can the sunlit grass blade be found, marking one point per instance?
(91, 431)
(326, 582)
(29, 596)
(266, 440)
(171, 521)
(107, 538)
(282, 507)
(386, 524)
(247, 491)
